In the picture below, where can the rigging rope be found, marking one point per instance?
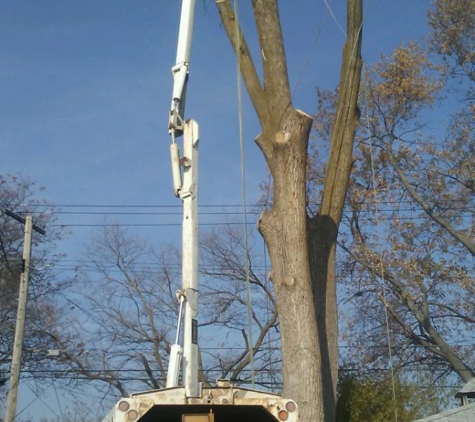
(243, 183)
(335, 18)
(381, 263)
(309, 55)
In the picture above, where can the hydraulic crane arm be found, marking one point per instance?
(185, 185)
(192, 401)
(181, 69)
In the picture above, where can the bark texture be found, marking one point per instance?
(301, 249)
(323, 228)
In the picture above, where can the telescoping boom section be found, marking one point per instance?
(223, 403)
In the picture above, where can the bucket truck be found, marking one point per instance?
(192, 401)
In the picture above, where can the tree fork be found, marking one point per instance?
(323, 228)
(304, 285)
(284, 229)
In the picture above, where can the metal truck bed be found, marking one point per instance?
(223, 403)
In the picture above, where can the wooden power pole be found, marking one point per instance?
(21, 316)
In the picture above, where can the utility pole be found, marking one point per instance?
(21, 316)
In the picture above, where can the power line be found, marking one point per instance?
(136, 224)
(145, 213)
(224, 223)
(335, 18)
(222, 205)
(38, 395)
(235, 212)
(108, 372)
(402, 208)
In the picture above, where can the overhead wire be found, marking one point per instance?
(310, 54)
(209, 205)
(405, 213)
(60, 372)
(410, 206)
(58, 401)
(243, 186)
(37, 397)
(235, 223)
(107, 372)
(340, 27)
(242, 381)
(223, 205)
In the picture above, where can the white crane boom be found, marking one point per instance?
(185, 185)
(181, 69)
(193, 401)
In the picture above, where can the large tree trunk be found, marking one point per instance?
(323, 228)
(285, 231)
(301, 249)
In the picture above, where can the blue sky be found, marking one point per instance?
(86, 86)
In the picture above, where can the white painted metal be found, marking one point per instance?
(181, 69)
(167, 404)
(174, 365)
(176, 171)
(186, 31)
(186, 188)
(176, 351)
(190, 256)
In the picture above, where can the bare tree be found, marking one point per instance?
(225, 304)
(125, 325)
(301, 246)
(21, 195)
(118, 334)
(410, 238)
